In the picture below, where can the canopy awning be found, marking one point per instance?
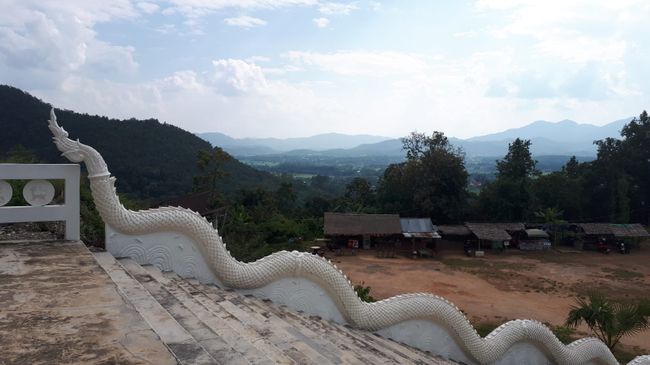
(421, 235)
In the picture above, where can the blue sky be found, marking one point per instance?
(287, 68)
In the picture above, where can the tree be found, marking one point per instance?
(608, 320)
(613, 180)
(211, 167)
(509, 196)
(518, 163)
(432, 182)
(550, 215)
(635, 147)
(359, 194)
(285, 198)
(19, 154)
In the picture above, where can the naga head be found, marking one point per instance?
(76, 151)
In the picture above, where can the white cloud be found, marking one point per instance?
(575, 31)
(245, 21)
(375, 5)
(236, 77)
(321, 22)
(198, 8)
(330, 8)
(148, 7)
(470, 33)
(361, 63)
(49, 41)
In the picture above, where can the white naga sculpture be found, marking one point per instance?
(401, 310)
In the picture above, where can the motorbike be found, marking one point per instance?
(622, 248)
(603, 248)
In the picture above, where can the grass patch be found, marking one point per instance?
(624, 354)
(464, 264)
(484, 328)
(622, 274)
(478, 263)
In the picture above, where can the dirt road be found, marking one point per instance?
(496, 288)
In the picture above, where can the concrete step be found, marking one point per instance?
(333, 348)
(307, 343)
(368, 342)
(363, 349)
(223, 326)
(214, 344)
(265, 338)
(244, 346)
(178, 340)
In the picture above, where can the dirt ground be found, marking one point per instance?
(514, 284)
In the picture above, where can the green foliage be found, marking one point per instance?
(550, 215)
(359, 196)
(364, 293)
(210, 165)
(92, 228)
(432, 182)
(484, 328)
(564, 333)
(518, 163)
(608, 320)
(508, 197)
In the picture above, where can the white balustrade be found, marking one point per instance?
(38, 192)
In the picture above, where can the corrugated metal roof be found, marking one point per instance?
(416, 225)
(421, 235)
(360, 224)
(536, 233)
(629, 230)
(418, 228)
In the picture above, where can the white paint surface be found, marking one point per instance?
(68, 212)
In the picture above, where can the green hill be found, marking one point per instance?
(151, 160)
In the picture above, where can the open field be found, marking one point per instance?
(500, 287)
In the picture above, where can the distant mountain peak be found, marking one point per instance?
(318, 142)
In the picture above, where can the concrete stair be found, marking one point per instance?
(204, 324)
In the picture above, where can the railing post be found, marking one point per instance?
(73, 218)
(68, 212)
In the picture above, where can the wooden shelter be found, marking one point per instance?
(449, 231)
(346, 227)
(497, 235)
(611, 233)
(454, 237)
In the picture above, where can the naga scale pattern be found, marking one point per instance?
(279, 265)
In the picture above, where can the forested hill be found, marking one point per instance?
(151, 160)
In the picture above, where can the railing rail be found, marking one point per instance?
(67, 212)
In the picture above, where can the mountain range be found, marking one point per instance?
(266, 146)
(566, 137)
(153, 161)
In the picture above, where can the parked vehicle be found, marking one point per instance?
(602, 246)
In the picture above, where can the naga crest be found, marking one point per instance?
(76, 151)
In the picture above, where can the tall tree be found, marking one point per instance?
(518, 163)
(636, 149)
(359, 194)
(509, 197)
(211, 169)
(432, 182)
(613, 181)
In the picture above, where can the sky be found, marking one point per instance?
(292, 68)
